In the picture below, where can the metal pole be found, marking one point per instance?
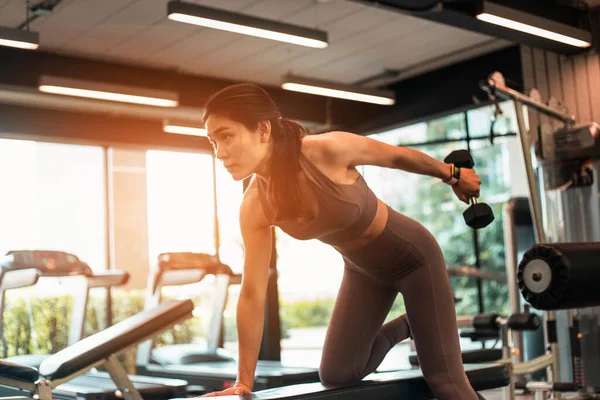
(536, 214)
(216, 209)
(474, 233)
(534, 196)
(110, 226)
(510, 94)
(511, 251)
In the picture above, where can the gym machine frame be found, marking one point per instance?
(496, 88)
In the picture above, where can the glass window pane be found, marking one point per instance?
(480, 119)
(181, 218)
(501, 174)
(310, 274)
(53, 198)
(450, 127)
(180, 203)
(416, 133)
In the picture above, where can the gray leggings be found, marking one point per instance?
(405, 259)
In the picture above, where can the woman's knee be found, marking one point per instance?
(331, 375)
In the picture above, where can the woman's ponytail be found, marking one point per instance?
(284, 187)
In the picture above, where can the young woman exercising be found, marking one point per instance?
(310, 188)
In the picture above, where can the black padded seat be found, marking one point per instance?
(20, 373)
(114, 339)
(475, 356)
(408, 384)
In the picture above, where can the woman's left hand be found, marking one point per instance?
(468, 185)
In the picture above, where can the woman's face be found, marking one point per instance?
(241, 150)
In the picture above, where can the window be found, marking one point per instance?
(180, 203)
(53, 198)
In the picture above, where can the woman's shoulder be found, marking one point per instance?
(322, 148)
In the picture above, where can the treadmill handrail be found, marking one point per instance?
(19, 278)
(93, 349)
(76, 269)
(109, 278)
(180, 277)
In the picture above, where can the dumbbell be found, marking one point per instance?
(477, 215)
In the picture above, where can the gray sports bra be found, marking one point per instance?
(345, 211)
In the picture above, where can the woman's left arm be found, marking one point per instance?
(361, 150)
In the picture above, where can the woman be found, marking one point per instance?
(310, 188)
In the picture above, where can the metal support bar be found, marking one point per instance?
(121, 379)
(511, 251)
(534, 196)
(221, 290)
(217, 230)
(531, 366)
(506, 93)
(78, 314)
(13, 280)
(44, 390)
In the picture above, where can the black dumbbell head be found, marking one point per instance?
(478, 215)
(460, 158)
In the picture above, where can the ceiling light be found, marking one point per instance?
(245, 24)
(111, 92)
(183, 128)
(19, 38)
(533, 25)
(348, 92)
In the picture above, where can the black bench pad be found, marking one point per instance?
(17, 372)
(114, 339)
(408, 384)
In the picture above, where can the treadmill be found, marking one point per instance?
(95, 385)
(205, 363)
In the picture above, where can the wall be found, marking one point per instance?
(574, 80)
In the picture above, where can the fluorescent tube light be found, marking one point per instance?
(18, 38)
(183, 128)
(348, 92)
(533, 25)
(111, 92)
(246, 24)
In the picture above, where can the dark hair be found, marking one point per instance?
(250, 104)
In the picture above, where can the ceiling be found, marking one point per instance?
(364, 40)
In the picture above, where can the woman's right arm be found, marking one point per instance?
(256, 234)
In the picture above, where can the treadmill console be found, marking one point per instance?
(48, 262)
(189, 260)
